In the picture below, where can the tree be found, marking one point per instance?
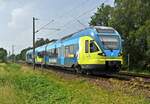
(38, 43)
(18, 57)
(3, 55)
(22, 55)
(102, 16)
(41, 42)
(12, 57)
(143, 35)
(131, 18)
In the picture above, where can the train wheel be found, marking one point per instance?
(88, 72)
(78, 69)
(116, 68)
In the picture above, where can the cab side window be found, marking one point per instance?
(93, 47)
(86, 46)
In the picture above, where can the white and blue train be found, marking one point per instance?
(92, 48)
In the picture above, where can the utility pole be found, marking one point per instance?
(128, 61)
(13, 55)
(34, 42)
(36, 31)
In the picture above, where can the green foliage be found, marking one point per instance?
(22, 85)
(12, 57)
(30, 88)
(41, 42)
(131, 18)
(38, 43)
(18, 57)
(22, 55)
(3, 54)
(40, 90)
(102, 16)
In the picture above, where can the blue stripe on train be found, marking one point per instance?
(70, 61)
(112, 53)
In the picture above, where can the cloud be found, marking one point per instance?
(16, 19)
(2, 4)
(20, 18)
(20, 27)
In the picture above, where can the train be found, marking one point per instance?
(93, 48)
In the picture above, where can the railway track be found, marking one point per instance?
(134, 74)
(141, 80)
(124, 76)
(121, 75)
(145, 79)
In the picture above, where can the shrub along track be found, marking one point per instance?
(134, 84)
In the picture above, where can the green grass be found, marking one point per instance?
(22, 85)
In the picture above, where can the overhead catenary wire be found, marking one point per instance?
(74, 8)
(82, 14)
(76, 18)
(43, 27)
(80, 23)
(79, 5)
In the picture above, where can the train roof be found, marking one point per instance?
(68, 36)
(79, 33)
(41, 48)
(91, 27)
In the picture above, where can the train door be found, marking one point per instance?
(95, 53)
(84, 55)
(62, 55)
(39, 58)
(89, 51)
(46, 56)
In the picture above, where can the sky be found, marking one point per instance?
(64, 15)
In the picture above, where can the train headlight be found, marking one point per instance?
(103, 54)
(120, 54)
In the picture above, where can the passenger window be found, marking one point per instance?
(40, 54)
(86, 46)
(67, 51)
(56, 52)
(59, 51)
(93, 47)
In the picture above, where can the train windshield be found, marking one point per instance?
(110, 41)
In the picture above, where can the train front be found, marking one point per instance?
(110, 43)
